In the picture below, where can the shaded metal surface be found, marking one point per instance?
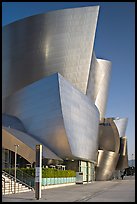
(121, 124)
(59, 116)
(12, 122)
(123, 146)
(123, 159)
(98, 83)
(26, 143)
(107, 161)
(38, 46)
(122, 162)
(108, 136)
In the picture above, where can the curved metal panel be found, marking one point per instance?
(59, 116)
(38, 107)
(108, 136)
(12, 122)
(98, 83)
(123, 159)
(123, 146)
(121, 124)
(107, 161)
(59, 41)
(122, 162)
(81, 119)
(26, 143)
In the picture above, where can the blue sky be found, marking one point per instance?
(114, 41)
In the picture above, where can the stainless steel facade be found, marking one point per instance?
(112, 153)
(123, 159)
(108, 136)
(38, 46)
(121, 124)
(59, 116)
(98, 83)
(55, 90)
(106, 165)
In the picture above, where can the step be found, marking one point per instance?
(10, 184)
(12, 192)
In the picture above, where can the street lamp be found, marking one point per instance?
(16, 147)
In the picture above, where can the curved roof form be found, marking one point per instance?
(50, 110)
(58, 41)
(98, 83)
(26, 143)
(121, 124)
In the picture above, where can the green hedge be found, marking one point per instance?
(49, 173)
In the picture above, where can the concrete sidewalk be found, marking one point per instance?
(97, 191)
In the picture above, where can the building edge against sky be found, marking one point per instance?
(77, 96)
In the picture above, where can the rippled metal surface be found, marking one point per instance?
(38, 46)
(98, 83)
(107, 161)
(59, 116)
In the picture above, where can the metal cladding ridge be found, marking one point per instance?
(50, 111)
(59, 41)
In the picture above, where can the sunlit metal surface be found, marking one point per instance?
(59, 116)
(98, 83)
(121, 124)
(61, 113)
(26, 143)
(38, 46)
(107, 161)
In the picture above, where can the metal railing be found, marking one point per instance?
(18, 182)
(21, 176)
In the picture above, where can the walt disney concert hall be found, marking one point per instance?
(54, 93)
